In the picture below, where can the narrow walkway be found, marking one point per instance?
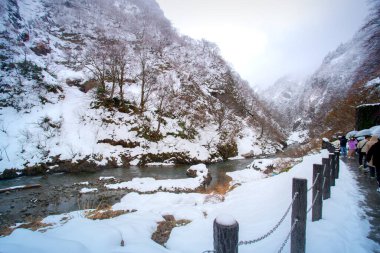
(371, 203)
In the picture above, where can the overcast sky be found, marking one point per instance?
(266, 39)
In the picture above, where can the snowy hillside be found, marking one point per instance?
(304, 101)
(339, 83)
(284, 96)
(111, 83)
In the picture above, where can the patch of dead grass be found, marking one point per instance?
(105, 213)
(34, 225)
(5, 231)
(164, 228)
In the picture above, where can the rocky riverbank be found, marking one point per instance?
(27, 205)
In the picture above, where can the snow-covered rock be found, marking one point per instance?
(149, 184)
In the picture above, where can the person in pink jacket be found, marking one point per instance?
(352, 147)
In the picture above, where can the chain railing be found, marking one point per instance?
(226, 236)
(288, 236)
(315, 181)
(324, 182)
(312, 204)
(273, 229)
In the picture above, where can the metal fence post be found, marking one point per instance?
(332, 169)
(226, 234)
(326, 178)
(316, 212)
(298, 236)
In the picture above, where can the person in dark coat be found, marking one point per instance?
(343, 145)
(362, 149)
(373, 158)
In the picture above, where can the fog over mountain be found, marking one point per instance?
(347, 77)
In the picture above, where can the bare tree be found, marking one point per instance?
(145, 58)
(121, 68)
(116, 65)
(96, 60)
(165, 92)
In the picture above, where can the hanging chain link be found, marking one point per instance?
(324, 182)
(288, 236)
(315, 181)
(273, 229)
(312, 204)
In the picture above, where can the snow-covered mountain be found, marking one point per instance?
(283, 97)
(325, 101)
(110, 82)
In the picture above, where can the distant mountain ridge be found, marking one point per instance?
(325, 102)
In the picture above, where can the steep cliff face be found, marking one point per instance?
(284, 97)
(112, 82)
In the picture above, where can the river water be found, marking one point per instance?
(60, 194)
(217, 171)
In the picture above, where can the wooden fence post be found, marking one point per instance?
(226, 234)
(298, 236)
(326, 178)
(317, 192)
(331, 147)
(332, 169)
(337, 153)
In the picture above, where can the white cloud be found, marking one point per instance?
(264, 40)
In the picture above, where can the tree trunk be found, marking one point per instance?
(142, 102)
(121, 85)
(159, 115)
(112, 89)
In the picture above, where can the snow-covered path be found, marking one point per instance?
(371, 201)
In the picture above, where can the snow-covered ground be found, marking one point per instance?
(257, 205)
(149, 184)
(297, 137)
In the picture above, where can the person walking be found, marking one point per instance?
(373, 157)
(352, 147)
(362, 150)
(343, 145)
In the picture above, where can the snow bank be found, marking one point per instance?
(149, 184)
(257, 206)
(276, 164)
(298, 137)
(244, 176)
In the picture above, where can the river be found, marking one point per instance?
(59, 193)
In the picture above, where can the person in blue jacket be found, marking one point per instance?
(343, 145)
